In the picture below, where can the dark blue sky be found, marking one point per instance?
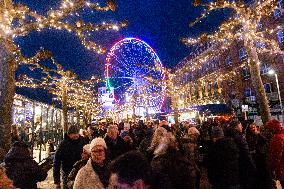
(160, 23)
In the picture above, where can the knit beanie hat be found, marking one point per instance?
(217, 132)
(193, 130)
(87, 148)
(98, 142)
(73, 129)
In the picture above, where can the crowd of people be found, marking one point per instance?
(156, 155)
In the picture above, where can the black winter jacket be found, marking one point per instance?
(67, 154)
(22, 169)
(175, 166)
(222, 163)
(115, 148)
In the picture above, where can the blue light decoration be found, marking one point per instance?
(128, 63)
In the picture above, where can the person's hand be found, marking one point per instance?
(57, 186)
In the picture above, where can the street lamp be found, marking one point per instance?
(272, 72)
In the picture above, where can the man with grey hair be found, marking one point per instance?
(115, 144)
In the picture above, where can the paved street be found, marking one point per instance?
(48, 183)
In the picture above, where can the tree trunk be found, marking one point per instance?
(65, 110)
(261, 98)
(78, 116)
(258, 86)
(7, 92)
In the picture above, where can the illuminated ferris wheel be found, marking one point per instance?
(128, 64)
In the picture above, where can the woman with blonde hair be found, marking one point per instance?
(158, 135)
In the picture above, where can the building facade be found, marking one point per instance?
(226, 77)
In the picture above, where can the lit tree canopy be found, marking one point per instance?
(66, 88)
(17, 20)
(244, 25)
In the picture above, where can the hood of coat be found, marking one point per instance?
(18, 152)
(274, 126)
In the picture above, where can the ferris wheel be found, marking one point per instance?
(128, 64)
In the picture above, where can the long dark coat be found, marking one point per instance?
(175, 166)
(22, 169)
(222, 163)
(67, 154)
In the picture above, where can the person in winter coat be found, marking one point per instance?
(276, 149)
(95, 174)
(115, 144)
(222, 161)
(246, 165)
(156, 139)
(67, 154)
(170, 161)
(258, 148)
(136, 173)
(21, 168)
(86, 154)
(189, 142)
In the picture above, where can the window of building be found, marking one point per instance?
(264, 68)
(281, 4)
(280, 35)
(260, 44)
(246, 73)
(248, 92)
(243, 53)
(267, 87)
(228, 61)
(277, 13)
(259, 26)
(209, 86)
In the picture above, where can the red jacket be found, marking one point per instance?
(276, 148)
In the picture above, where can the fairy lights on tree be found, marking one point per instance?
(16, 20)
(243, 25)
(168, 86)
(84, 99)
(66, 88)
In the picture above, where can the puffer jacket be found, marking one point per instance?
(276, 148)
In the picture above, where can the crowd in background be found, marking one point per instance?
(156, 155)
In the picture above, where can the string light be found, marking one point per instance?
(66, 88)
(244, 25)
(28, 20)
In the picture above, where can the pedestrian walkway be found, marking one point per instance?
(48, 183)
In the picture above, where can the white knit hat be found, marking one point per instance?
(98, 141)
(87, 148)
(193, 130)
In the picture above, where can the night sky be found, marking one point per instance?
(160, 23)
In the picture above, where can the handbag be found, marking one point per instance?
(276, 184)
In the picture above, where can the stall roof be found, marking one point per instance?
(215, 109)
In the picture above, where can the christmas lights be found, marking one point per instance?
(243, 25)
(127, 64)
